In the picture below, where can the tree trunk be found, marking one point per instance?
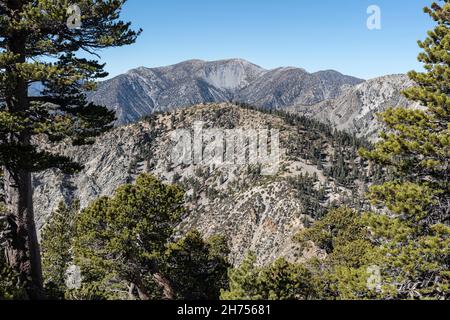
(160, 280)
(143, 295)
(140, 289)
(23, 252)
(164, 283)
(131, 288)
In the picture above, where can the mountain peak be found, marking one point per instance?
(143, 91)
(236, 60)
(328, 71)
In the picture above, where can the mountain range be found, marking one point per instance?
(320, 166)
(346, 102)
(143, 91)
(356, 109)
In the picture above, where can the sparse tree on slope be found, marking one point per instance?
(38, 47)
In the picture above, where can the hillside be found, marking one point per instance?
(345, 102)
(318, 168)
(356, 108)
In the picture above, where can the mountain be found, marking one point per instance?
(318, 167)
(283, 87)
(143, 91)
(346, 102)
(356, 108)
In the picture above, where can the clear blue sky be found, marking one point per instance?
(312, 34)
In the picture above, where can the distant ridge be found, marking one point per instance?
(355, 109)
(143, 91)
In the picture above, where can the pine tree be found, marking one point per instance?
(10, 286)
(242, 281)
(415, 234)
(39, 46)
(197, 268)
(56, 246)
(343, 272)
(121, 241)
(280, 280)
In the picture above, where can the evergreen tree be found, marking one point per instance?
(344, 271)
(56, 246)
(10, 286)
(120, 241)
(38, 46)
(197, 268)
(279, 281)
(415, 234)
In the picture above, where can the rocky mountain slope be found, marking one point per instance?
(143, 91)
(257, 212)
(356, 108)
(283, 87)
(345, 102)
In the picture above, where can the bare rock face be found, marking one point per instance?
(144, 91)
(107, 166)
(285, 87)
(256, 212)
(356, 109)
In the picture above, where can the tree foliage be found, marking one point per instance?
(29, 31)
(197, 268)
(279, 281)
(39, 48)
(123, 238)
(344, 269)
(123, 246)
(56, 246)
(10, 285)
(414, 235)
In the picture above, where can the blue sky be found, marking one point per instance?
(315, 35)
